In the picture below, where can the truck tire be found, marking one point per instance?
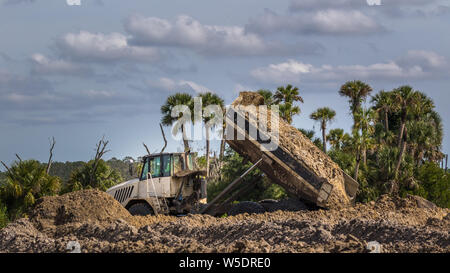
(246, 207)
(140, 209)
(269, 205)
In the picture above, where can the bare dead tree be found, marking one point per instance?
(101, 150)
(6, 167)
(18, 157)
(148, 151)
(52, 146)
(164, 137)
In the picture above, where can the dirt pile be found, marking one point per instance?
(88, 206)
(314, 164)
(399, 225)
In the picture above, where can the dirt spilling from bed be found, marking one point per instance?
(311, 159)
(100, 224)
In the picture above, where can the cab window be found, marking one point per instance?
(166, 165)
(155, 166)
(178, 163)
(144, 170)
(190, 163)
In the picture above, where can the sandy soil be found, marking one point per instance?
(100, 224)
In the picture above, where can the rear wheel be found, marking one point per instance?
(141, 209)
(246, 207)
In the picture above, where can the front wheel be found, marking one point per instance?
(141, 209)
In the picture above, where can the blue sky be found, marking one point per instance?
(104, 68)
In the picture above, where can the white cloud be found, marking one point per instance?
(415, 65)
(104, 47)
(323, 22)
(391, 8)
(188, 33)
(43, 65)
(301, 5)
(171, 85)
(429, 60)
(297, 5)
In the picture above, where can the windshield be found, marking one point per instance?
(144, 170)
(160, 166)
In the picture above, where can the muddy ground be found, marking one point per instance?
(100, 224)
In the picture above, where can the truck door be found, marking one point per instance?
(155, 171)
(166, 174)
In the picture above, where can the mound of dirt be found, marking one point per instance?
(87, 206)
(397, 224)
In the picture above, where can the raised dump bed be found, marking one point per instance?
(295, 163)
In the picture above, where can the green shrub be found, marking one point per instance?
(3, 216)
(25, 182)
(434, 184)
(103, 178)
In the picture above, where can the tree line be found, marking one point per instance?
(393, 147)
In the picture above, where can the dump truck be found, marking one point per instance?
(169, 183)
(285, 155)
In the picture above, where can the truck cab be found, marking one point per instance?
(169, 183)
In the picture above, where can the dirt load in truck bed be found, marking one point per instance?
(409, 224)
(298, 155)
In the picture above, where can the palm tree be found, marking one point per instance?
(286, 97)
(365, 122)
(308, 133)
(383, 105)
(425, 133)
(287, 111)
(406, 100)
(323, 115)
(357, 91)
(168, 120)
(433, 153)
(357, 147)
(287, 94)
(25, 182)
(336, 137)
(209, 99)
(267, 95)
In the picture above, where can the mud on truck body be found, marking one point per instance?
(169, 183)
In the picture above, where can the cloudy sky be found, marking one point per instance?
(78, 72)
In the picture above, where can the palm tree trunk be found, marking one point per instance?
(207, 151)
(358, 160)
(222, 149)
(402, 130)
(364, 154)
(400, 135)
(400, 158)
(222, 145)
(386, 121)
(185, 140)
(324, 137)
